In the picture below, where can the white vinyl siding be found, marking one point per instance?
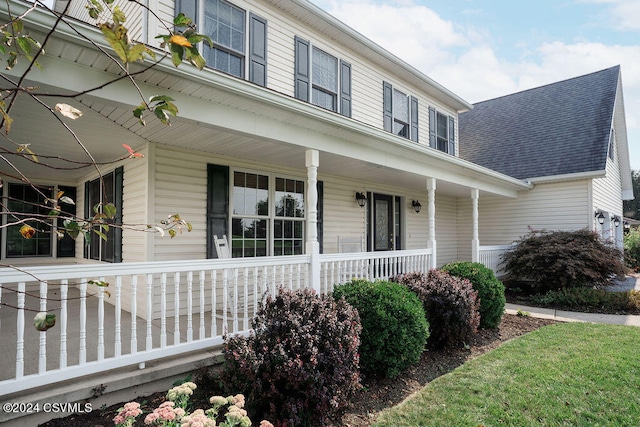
(557, 206)
(181, 188)
(135, 208)
(607, 191)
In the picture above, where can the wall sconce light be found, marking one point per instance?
(627, 226)
(416, 206)
(600, 217)
(616, 221)
(361, 199)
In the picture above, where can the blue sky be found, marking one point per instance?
(482, 49)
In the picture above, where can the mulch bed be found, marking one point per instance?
(376, 395)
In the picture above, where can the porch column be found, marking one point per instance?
(312, 160)
(431, 201)
(475, 240)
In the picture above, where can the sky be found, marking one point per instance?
(483, 49)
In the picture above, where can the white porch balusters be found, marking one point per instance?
(431, 202)
(312, 160)
(475, 240)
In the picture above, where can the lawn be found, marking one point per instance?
(571, 374)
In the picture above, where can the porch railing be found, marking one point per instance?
(148, 311)
(152, 310)
(343, 267)
(491, 257)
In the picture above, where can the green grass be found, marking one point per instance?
(572, 374)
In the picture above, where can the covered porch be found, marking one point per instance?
(151, 311)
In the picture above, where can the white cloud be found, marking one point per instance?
(624, 13)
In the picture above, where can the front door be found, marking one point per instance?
(382, 222)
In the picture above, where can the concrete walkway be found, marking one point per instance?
(629, 283)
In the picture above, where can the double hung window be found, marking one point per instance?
(441, 131)
(321, 78)
(238, 41)
(267, 218)
(225, 24)
(400, 112)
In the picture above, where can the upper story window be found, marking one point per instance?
(400, 112)
(237, 41)
(322, 78)
(225, 24)
(442, 135)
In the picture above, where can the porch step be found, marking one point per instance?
(105, 389)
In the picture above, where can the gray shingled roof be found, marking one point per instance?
(557, 129)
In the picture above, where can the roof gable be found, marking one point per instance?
(558, 129)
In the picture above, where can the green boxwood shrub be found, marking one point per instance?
(490, 290)
(632, 249)
(450, 304)
(300, 365)
(394, 326)
(547, 260)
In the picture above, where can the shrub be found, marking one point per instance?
(590, 300)
(490, 290)
(394, 326)
(632, 248)
(300, 365)
(450, 303)
(545, 260)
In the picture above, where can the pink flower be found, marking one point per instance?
(265, 423)
(129, 410)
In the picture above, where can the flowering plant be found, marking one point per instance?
(173, 412)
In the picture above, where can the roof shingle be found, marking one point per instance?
(557, 129)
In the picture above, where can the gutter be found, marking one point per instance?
(567, 177)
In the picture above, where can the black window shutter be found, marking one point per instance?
(345, 89)
(387, 101)
(432, 128)
(302, 69)
(257, 50)
(217, 205)
(414, 119)
(189, 8)
(320, 187)
(67, 245)
(452, 136)
(87, 214)
(118, 187)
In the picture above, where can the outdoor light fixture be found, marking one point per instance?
(416, 206)
(627, 225)
(600, 216)
(616, 221)
(361, 199)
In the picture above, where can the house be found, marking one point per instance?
(569, 140)
(319, 155)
